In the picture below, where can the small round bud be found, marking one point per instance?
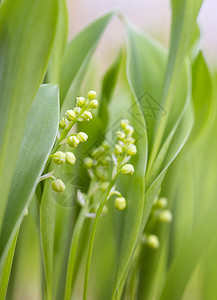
(82, 136)
(25, 211)
(152, 241)
(70, 158)
(77, 110)
(93, 104)
(88, 162)
(120, 203)
(129, 129)
(81, 101)
(118, 149)
(105, 145)
(130, 140)
(87, 116)
(59, 158)
(91, 95)
(120, 135)
(58, 186)
(165, 216)
(131, 150)
(161, 202)
(73, 141)
(127, 169)
(97, 152)
(124, 123)
(100, 172)
(70, 115)
(62, 123)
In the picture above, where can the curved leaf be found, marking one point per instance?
(27, 30)
(38, 139)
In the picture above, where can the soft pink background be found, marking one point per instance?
(152, 16)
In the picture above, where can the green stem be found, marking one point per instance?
(74, 244)
(92, 236)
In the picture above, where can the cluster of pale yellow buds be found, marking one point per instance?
(160, 212)
(79, 114)
(99, 162)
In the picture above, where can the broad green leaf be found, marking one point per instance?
(189, 255)
(53, 74)
(79, 51)
(184, 16)
(27, 30)
(38, 139)
(135, 192)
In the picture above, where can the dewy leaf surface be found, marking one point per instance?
(27, 30)
(38, 139)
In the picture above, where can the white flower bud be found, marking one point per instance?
(127, 169)
(73, 141)
(87, 116)
(120, 203)
(82, 136)
(124, 123)
(120, 135)
(91, 95)
(81, 101)
(70, 158)
(58, 186)
(152, 241)
(165, 216)
(77, 110)
(70, 115)
(59, 158)
(88, 162)
(118, 149)
(93, 104)
(129, 129)
(131, 150)
(161, 202)
(62, 123)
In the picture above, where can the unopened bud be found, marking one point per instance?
(127, 169)
(77, 110)
(131, 150)
(124, 123)
(161, 202)
(70, 158)
(120, 203)
(59, 157)
(87, 116)
(70, 115)
(165, 216)
(93, 104)
(81, 101)
(88, 162)
(152, 241)
(62, 123)
(120, 135)
(58, 186)
(118, 149)
(129, 129)
(73, 141)
(82, 136)
(91, 95)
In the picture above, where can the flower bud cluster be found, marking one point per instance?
(99, 162)
(80, 113)
(160, 212)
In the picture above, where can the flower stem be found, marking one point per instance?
(93, 233)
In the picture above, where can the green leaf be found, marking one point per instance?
(79, 52)
(184, 16)
(135, 192)
(53, 74)
(27, 30)
(5, 270)
(38, 139)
